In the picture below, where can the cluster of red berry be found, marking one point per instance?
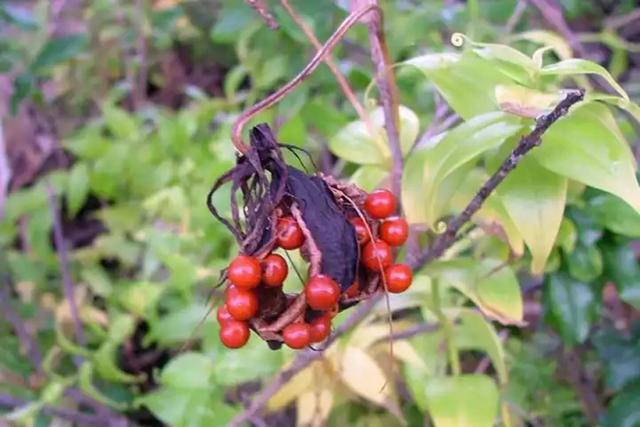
(246, 273)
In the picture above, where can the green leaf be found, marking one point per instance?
(57, 50)
(167, 403)
(623, 409)
(77, 188)
(462, 401)
(585, 263)
(615, 215)
(355, 143)
(466, 81)
(548, 39)
(22, 88)
(119, 122)
(434, 172)
(179, 325)
(189, 371)
(571, 306)
(490, 284)
(369, 177)
(587, 146)
(474, 332)
(620, 355)
(577, 66)
(140, 298)
(535, 199)
(624, 270)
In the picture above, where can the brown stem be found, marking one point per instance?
(244, 117)
(61, 248)
(385, 80)
(527, 143)
(262, 9)
(342, 81)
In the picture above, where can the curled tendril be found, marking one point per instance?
(458, 39)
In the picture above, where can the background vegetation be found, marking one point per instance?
(116, 120)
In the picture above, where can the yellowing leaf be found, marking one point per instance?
(587, 146)
(405, 352)
(489, 283)
(314, 407)
(534, 198)
(462, 401)
(363, 376)
(355, 143)
(292, 389)
(524, 102)
(433, 173)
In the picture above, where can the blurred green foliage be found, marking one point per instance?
(144, 281)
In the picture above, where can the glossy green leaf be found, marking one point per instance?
(462, 401)
(57, 50)
(587, 146)
(489, 283)
(584, 263)
(466, 81)
(615, 215)
(534, 198)
(432, 173)
(571, 306)
(355, 143)
(77, 188)
(623, 268)
(474, 332)
(577, 66)
(623, 409)
(619, 352)
(189, 371)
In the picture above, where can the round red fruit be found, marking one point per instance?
(289, 233)
(322, 292)
(398, 278)
(244, 272)
(380, 204)
(274, 270)
(362, 230)
(297, 335)
(234, 334)
(242, 304)
(320, 328)
(377, 255)
(223, 314)
(394, 231)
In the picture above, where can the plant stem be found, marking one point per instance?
(447, 329)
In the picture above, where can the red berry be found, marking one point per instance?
(242, 304)
(297, 335)
(377, 254)
(234, 334)
(289, 233)
(244, 272)
(394, 231)
(353, 290)
(362, 230)
(274, 270)
(223, 314)
(320, 328)
(380, 204)
(322, 292)
(398, 278)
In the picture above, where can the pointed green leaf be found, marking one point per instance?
(623, 268)
(355, 143)
(490, 284)
(462, 401)
(474, 332)
(549, 39)
(615, 215)
(577, 66)
(57, 50)
(534, 198)
(587, 146)
(77, 188)
(571, 305)
(189, 371)
(466, 81)
(434, 172)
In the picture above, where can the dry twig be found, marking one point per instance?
(262, 9)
